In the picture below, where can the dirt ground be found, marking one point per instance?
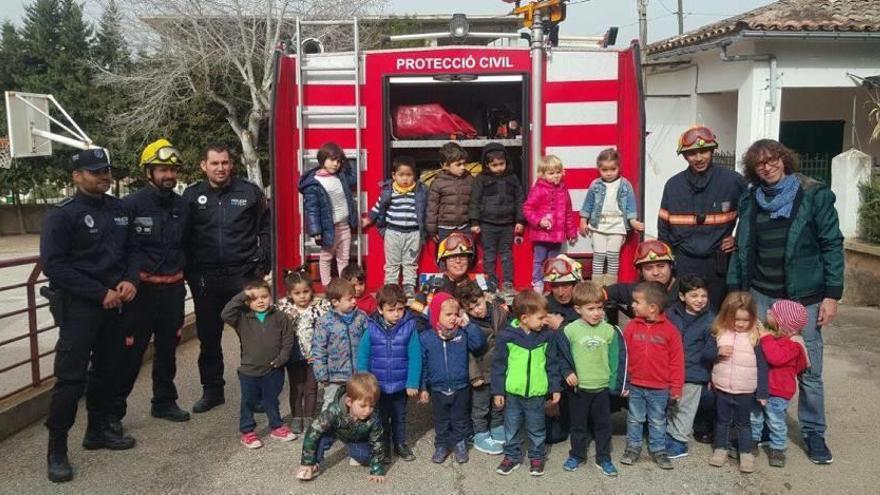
(204, 455)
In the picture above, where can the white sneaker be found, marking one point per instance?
(352, 462)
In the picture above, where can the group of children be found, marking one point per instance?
(491, 372)
(491, 206)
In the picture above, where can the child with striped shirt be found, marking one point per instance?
(400, 216)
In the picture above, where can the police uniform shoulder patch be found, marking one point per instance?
(64, 202)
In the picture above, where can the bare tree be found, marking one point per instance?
(222, 49)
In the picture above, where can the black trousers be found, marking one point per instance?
(87, 360)
(156, 312)
(211, 290)
(734, 410)
(713, 271)
(452, 417)
(497, 243)
(590, 418)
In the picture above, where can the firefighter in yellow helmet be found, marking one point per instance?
(159, 220)
(455, 255)
(698, 212)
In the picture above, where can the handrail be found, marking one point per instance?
(34, 329)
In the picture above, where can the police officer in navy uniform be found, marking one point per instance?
(228, 245)
(90, 257)
(159, 218)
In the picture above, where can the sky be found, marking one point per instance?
(590, 17)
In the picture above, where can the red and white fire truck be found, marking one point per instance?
(572, 101)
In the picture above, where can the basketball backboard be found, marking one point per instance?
(22, 118)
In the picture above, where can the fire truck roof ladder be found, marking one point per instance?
(304, 115)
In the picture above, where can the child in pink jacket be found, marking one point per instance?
(549, 215)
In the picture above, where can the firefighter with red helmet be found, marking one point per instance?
(698, 212)
(655, 262)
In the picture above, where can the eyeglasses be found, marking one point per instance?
(770, 162)
(166, 154)
(558, 265)
(697, 133)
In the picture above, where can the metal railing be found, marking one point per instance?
(33, 328)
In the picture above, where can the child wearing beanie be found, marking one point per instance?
(445, 377)
(786, 357)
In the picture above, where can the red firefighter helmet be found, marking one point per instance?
(697, 137)
(651, 251)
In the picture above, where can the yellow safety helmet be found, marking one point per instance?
(160, 152)
(456, 244)
(653, 250)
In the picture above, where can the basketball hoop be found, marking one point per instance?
(5, 155)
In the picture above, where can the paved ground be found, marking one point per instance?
(204, 456)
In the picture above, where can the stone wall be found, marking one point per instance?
(862, 273)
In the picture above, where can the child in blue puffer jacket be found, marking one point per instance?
(445, 376)
(390, 350)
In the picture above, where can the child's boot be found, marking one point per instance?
(610, 279)
(719, 457)
(630, 455)
(777, 458)
(746, 463)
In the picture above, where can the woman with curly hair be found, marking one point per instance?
(789, 246)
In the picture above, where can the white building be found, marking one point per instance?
(792, 70)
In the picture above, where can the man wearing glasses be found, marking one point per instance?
(698, 213)
(227, 245)
(159, 220)
(91, 259)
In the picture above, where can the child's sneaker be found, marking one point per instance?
(719, 457)
(630, 455)
(460, 453)
(409, 291)
(440, 455)
(676, 449)
(353, 462)
(572, 463)
(746, 463)
(283, 434)
(536, 467)
(607, 468)
(777, 458)
(484, 443)
(507, 466)
(251, 440)
(662, 460)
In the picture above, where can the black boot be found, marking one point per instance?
(115, 426)
(99, 435)
(171, 412)
(208, 401)
(59, 470)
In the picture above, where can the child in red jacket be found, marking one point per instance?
(655, 368)
(786, 357)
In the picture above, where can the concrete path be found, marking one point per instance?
(204, 456)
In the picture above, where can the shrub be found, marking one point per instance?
(869, 211)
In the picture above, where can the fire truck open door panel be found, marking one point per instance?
(591, 101)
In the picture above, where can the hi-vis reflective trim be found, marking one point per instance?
(153, 279)
(686, 219)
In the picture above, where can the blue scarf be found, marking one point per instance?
(778, 199)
